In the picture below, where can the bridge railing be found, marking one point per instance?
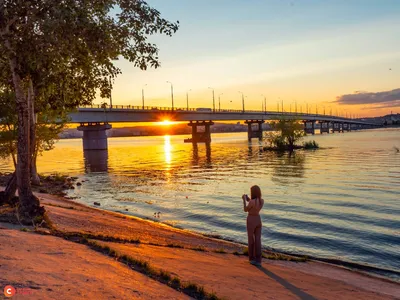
(206, 110)
(132, 107)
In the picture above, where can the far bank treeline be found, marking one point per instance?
(55, 56)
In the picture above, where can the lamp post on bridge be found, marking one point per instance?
(172, 94)
(282, 103)
(265, 104)
(219, 101)
(242, 99)
(111, 105)
(294, 101)
(187, 99)
(213, 98)
(143, 95)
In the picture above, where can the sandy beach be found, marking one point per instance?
(93, 253)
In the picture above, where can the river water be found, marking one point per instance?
(341, 202)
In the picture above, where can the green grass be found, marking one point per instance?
(59, 177)
(175, 246)
(199, 248)
(176, 281)
(191, 289)
(194, 288)
(100, 237)
(276, 256)
(279, 256)
(49, 223)
(165, 275)
(213, 236)
(24, 229)
(55, 205)
(221, 250)
(213, 296)
(144, 266)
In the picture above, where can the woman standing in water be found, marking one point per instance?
(253, 206)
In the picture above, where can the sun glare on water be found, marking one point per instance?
(166, 123)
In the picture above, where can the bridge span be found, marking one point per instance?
(95, 120)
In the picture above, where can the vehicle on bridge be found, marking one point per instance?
(204, 109)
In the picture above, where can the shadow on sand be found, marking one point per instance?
(295, 290)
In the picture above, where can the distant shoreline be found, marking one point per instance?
(189, 133)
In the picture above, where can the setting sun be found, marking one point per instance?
(167, 122)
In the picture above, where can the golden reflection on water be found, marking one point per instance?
(168, 157)
(167, 150)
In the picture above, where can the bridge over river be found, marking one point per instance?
(95, 120)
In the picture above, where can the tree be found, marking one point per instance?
(8, 139)
(8, 130)
(62, 53)
(50, 124)
(48, 127)
(285, 134)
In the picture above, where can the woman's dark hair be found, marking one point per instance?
(255, 192)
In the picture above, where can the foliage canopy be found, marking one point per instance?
(285, 134)
(56, 55)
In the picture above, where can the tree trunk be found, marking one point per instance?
(29, 204)
(8, 196)
(14, 160)
(32, 118)
(35, 175)
(12, 151)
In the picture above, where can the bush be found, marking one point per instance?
(311, 145)
(285, 134)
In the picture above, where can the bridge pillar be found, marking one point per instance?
(346, 126)
(94, 135)
(324, 126)
(336, 126)
(200, 137)
(309, 127)
(258, 132)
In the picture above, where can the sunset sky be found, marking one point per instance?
(344, 55)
